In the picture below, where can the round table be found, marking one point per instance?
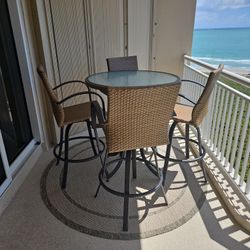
(130, 79)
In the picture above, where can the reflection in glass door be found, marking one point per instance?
(14, 118)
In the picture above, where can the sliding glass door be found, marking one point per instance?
(14, 119)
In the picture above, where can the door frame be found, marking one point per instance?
(30, 91)
(6, 166)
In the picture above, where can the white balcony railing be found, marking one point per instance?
(226, 128)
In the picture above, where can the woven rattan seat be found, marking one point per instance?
(200, 108)
(77, 113)
(66, 117)
(183, 113)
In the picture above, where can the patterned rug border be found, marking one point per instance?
(110, 235)
(71, 200)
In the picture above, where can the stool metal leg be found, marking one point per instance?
(159, 174)
(60, 145)
(91, 137)
(165, 168)
(187, 141)
(103, 170)
(126, 191)
(66, 157)
(98, 148)
(200, 151)
(103, 162)
(134, 164)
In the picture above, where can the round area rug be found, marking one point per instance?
(77, 208)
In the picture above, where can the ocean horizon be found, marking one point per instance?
(229, 46)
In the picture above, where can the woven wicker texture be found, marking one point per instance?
(139, 117)
(183, 113)
(201, 108)
(57, 109)
(122, 63)
(64, 115)
(195, 115)
(77, 113)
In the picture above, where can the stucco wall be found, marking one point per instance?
(172, 33)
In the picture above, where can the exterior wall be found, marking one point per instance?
(107, 31)
(173, 23)
(139, 31)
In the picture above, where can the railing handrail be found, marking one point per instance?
(238, 78)
(235, 91)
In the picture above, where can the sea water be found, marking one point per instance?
(228, 46)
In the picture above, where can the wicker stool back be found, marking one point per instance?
(139, 118)
(122, 63)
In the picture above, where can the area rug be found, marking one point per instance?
(77, 207)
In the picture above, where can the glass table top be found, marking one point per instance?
(133, 79)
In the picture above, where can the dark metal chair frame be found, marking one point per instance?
(128, 156)
(187, 139)
(64, 136)
(199, 111)
(61, 142)
(59, 114)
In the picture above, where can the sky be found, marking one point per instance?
(222, 14)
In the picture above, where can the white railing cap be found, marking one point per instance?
(229, 74)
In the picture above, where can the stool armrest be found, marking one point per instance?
(191, 81)
(182, 96)
(68, 82)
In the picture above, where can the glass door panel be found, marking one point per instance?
(14, 119)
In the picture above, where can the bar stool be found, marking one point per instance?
(134, 114)
(66, 117)
(192, 116)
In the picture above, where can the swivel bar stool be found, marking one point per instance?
(136, 118)
(66, 117)
(124, 63)
(192, 115)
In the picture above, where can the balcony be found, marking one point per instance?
(73, 39)
(218, 218)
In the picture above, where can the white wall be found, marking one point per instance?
(139, 31)
(173, 32)
(107, 31)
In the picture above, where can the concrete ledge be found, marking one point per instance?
(239, 210)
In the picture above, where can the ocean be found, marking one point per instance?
(228, 46)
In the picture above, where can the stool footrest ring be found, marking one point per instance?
(78, 160)
(130, 195)
(200, 157)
